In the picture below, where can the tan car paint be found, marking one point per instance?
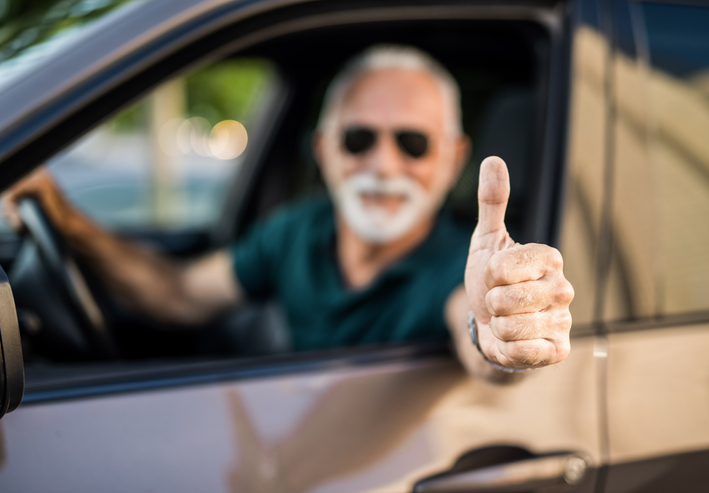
(380, 428)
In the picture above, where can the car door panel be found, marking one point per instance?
(673, 472)
(383, 426)
(658, 423)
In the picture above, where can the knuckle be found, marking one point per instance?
(496, 301)
(507, 330)
(526, 353)
(523, 255)
(531, 259)
(549, 256)
(567, 321)
(500, 300)
(498, 268)
(529, 253)
(560, 351)
(565, 293)
(556, 324)
(555, 260)
(563, 350)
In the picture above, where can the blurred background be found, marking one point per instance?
(164, 161)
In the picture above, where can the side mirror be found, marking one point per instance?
(12, 369)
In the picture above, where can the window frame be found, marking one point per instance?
(656, 320)
(200, 41)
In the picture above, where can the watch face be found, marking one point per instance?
(473, 329)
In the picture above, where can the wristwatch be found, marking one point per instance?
(473, 329)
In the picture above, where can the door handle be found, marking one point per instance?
(517, 476)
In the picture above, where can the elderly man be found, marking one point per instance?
(378, 262)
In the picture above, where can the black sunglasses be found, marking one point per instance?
(357, 140)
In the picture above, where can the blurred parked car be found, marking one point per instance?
(180, 122)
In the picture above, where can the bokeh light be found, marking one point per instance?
(199, 135)
(226, 140)
(167, 137)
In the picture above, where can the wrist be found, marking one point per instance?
(76, 229)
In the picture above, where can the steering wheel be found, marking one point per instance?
(70, 283)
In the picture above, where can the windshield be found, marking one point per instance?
(32, 32)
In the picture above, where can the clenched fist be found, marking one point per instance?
(518, 293)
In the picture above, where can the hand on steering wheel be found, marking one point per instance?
(59, 263)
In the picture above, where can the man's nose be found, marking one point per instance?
(386, 159)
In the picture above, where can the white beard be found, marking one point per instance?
(376, 224)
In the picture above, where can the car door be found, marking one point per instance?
(396, 418)
(656, 298)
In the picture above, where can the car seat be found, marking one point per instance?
(506, 129)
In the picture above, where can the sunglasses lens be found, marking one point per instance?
(415, 144)
(357, 140)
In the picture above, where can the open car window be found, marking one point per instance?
(175, 159)
(165, 162)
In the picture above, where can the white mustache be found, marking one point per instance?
(369, 183)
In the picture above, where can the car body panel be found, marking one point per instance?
(654, 308)
(384, 427)
(672, 397)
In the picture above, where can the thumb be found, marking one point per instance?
(493, 194)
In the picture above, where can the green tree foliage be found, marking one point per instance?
(226, 90)
(26, 23)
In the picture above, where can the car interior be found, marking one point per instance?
(503, 70)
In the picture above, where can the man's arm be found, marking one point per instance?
(518, 293)
(185, 294)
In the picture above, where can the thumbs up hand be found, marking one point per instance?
(518, 293)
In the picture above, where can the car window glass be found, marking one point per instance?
(631, 219)
(580, 227)
(165, 162)
(660, 156)
(678, 42)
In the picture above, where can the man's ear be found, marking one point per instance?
(463, 149)
(317, 141)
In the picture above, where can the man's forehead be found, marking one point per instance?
(393, 98)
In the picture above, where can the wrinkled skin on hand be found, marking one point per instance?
(518, 293)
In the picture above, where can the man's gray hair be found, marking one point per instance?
(381, 57)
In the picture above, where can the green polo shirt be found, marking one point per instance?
(291, 256)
